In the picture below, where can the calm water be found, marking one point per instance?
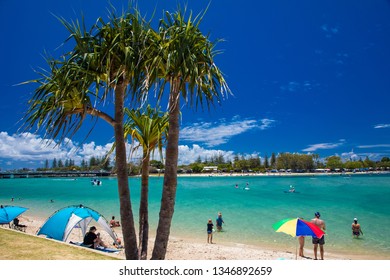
(248, 215)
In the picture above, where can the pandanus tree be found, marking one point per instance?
(185, 62)
(148, 129)
(106, 64)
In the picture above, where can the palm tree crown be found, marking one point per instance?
(148, 127)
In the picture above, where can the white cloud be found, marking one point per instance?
(189, 154)
(382, 125)
(330, 30)
(291, 86)
(266, 123)
(299, 86)
(30, 150)
(214, 134)
(27, 147)
(350, 156)
(324, 146)
(374, 146)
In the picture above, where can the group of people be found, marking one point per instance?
(244, 188)
(93, 239)
(317, 242)
(210, 227)
(356, 231)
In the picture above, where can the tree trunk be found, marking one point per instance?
(127, 220)
(143, 208)
(170, 176)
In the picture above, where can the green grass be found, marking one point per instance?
(19, 246)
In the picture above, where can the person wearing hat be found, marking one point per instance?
(318, 241)
(356, 229)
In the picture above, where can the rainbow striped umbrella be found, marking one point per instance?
(298, 227)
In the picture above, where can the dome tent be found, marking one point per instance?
(59, 225)
(9, 212)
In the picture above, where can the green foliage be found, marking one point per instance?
(353, 164)
(78, 84)
(156, 164)
(295, 162)
(273, 161)
(334, 162)
(149, 127)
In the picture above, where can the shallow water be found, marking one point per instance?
(248, 214)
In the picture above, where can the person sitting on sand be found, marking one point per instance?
(219, 221)
(356, 229)
(92, 239)
(114, 223)
(118, 243)
(210, 227)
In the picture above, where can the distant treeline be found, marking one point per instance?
(94, 163)
(284, 161)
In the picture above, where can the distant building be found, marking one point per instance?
(210, 169)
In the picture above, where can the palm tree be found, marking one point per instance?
(185, 61)
(149, 128)
(109, 59)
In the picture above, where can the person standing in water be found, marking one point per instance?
(356, 229)
(219, 221)
(210, 227)
(301, 240)
(318, 241)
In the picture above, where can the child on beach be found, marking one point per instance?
(210, 227)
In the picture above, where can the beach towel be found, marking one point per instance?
(100, 248)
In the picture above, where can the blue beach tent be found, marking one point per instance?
(9, 212)
(62, 222)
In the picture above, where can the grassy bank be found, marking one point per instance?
(19, 246)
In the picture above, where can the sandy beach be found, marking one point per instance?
(185, 249)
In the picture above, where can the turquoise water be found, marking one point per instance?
(248, 215)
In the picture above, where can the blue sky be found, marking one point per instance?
(307, 77)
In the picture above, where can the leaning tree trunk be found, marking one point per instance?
(143, 208)
(170, 176)
(127, 220)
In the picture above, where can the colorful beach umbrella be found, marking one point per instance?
(9, 212)
(298, 227)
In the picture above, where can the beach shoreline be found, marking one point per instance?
(250, 215)
(272, 174)
(185, 248)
